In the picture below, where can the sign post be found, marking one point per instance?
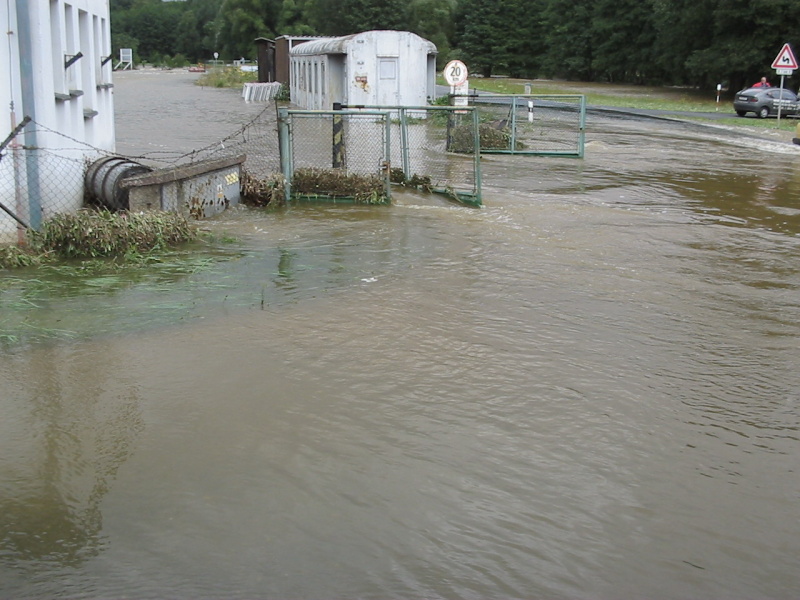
(784, 64)
(455, 74)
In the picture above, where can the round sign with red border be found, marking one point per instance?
(455, 72)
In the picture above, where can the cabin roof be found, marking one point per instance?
(339, 45)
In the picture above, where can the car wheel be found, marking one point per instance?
(741, 113)
(763, 112)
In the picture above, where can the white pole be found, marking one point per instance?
(780, 100)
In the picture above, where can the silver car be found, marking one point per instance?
(764, 102)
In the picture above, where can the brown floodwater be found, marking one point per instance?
(586, 389)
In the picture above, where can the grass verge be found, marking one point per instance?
(637, 97)
(226, 77)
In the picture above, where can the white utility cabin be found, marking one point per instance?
(374, 68)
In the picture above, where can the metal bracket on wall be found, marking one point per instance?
(70, 60)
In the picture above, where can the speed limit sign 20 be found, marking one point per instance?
(455, 72)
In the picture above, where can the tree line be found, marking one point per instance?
(660, 42)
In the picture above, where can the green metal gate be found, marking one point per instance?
(335, 156)
(536, 124)
(433, 148)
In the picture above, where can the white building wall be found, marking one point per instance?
(72, 107)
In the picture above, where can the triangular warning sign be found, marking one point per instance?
(785, 59)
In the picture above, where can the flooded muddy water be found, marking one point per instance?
(586, 389)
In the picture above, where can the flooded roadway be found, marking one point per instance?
(586, 389)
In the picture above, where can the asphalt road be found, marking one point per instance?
(725, 112)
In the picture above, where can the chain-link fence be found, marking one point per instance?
(335, 155)
(439, 149)
(257, 138)
(434, 148)
(540, 124)
(38, 183)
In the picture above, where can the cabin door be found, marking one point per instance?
(388, 81)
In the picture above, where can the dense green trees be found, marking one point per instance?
(680, 42)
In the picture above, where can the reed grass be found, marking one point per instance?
(90, 233)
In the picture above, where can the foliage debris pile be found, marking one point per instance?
(263, 192)
(335, 183)
(421, 182)
(491, 138)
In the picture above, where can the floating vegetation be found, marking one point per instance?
(421, 182)
(13, 256)
(263, 192)
(91, 233)
(335, 183)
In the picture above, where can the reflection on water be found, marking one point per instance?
(586, 389)
(68, 427)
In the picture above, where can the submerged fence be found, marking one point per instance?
(335, 155)
(433, 148)
(536, 124)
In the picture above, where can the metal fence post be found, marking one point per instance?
(338, 145)
(513, 138)
(582, 128)
(404, 150)
(477, 158)
(285, 145)
(387, 152)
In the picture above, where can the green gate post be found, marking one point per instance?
(387, 152)
(582, 132)
(477, 158)
(285, 145)
(513, 138)
(404, 151)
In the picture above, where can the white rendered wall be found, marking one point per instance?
(72, 107)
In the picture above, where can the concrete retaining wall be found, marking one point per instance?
(198, 190)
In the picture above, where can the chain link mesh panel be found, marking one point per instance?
(37, 183)
(336, 154)
(545, 124)
(436, 148)
(257, 139)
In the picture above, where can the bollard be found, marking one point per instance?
(338, 139)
